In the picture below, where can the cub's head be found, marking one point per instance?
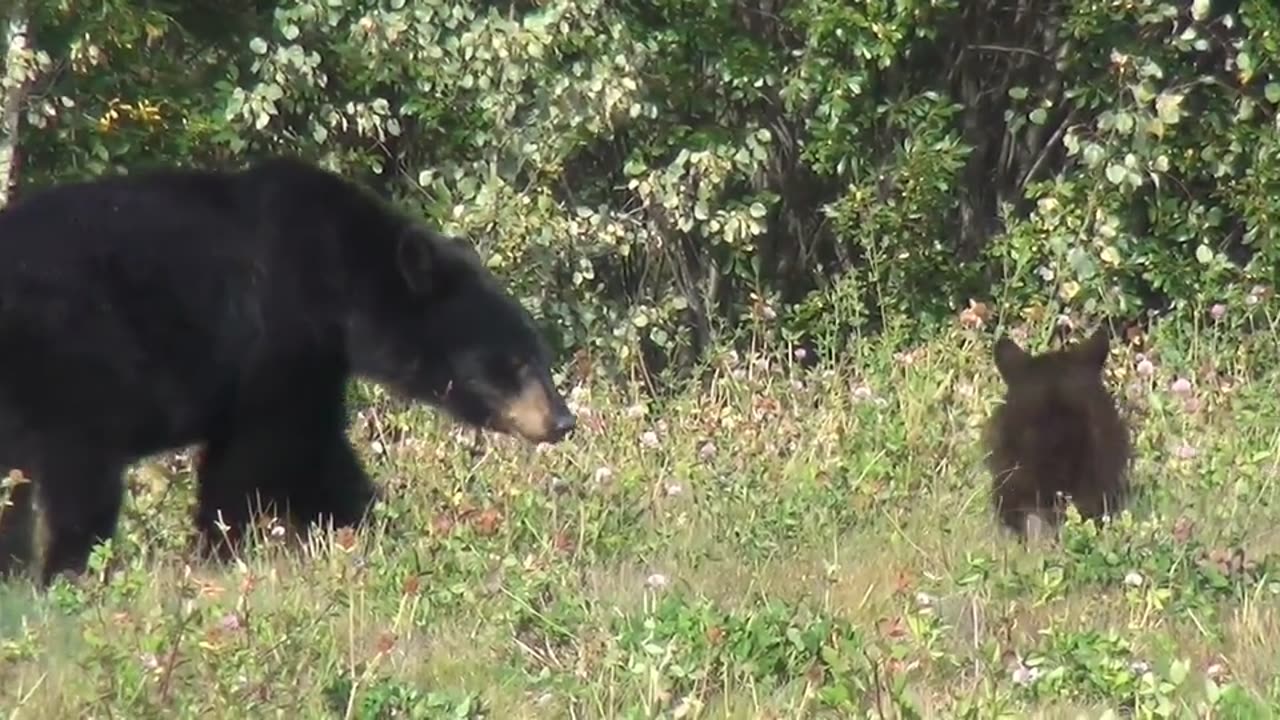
(1065, 374)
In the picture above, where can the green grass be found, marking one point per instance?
(782, 543)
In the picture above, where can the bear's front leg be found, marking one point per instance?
(294, 461)
(336, 490)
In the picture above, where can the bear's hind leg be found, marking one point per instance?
(81, 495)
(17, 530)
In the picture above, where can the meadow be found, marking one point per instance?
(789, 537)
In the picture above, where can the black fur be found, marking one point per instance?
(142, 313)
(1058, 431)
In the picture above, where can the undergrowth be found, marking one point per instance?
(786, 540)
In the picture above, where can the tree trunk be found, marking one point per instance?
(18, 73)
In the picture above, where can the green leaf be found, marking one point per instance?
(258, 46)
(758, 210)
(1116, 173)
(1272, 92)
(1038, 116)
(1093, 154)
(1169, 107)
(1204, 254)
(1244, 61)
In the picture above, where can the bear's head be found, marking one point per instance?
(445, 332)
(1072, 375)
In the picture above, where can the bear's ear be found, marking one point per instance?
(418, 260)
(464, 246)
(1010, 358)
(1093, 351)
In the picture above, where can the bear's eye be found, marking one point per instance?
(507, 365)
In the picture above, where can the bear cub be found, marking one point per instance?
(228, 310)
(1057, 436)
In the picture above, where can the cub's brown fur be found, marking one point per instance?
(1057, 436)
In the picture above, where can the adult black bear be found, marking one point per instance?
(1057, 433)
(148, 312)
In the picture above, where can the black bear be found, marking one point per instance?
(1057, 436)
(229, 309)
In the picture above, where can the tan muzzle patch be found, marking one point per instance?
(531, 413)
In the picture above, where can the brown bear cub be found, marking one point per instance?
(1056, 437)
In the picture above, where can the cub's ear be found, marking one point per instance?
(1010, 358)
(1093, 351)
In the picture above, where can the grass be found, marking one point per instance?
(781, 543)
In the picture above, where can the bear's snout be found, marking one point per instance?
(538, 414)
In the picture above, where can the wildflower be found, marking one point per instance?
(862, 392)
(578, 398)
(1218, 311)
(975, 316)
(346, 538)
(673, 489)
(442, 524)
(1146, 368)
(411, 585)
(489, 521)
(229, 622)
(1181, 386)
(649, 439)
(602, 475)
(707, 451)
(1023, 675)
(636, 411)
(1185, 452)
(656, 581)
(1133, 579)
(1183, 528)
(800, 353)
